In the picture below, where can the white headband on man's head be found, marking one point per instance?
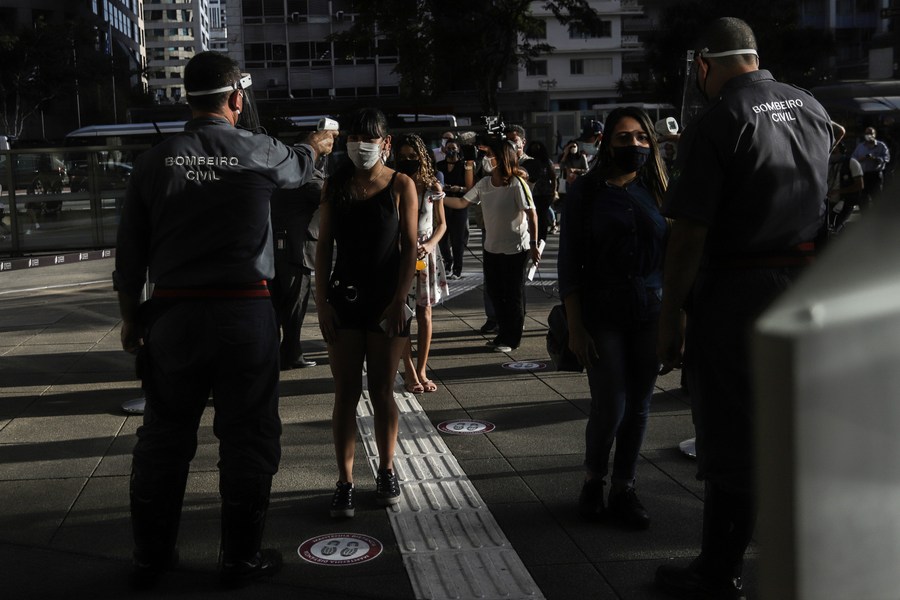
(707, 54)
(243, 83)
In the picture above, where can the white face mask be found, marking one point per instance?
(486, 165)
(364, 155)
(588, 147)
(870, 138)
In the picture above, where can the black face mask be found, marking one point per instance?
(630, 158)
(408, 166)
(452, 153)
(702, 88)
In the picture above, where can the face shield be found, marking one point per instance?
(249, 117)
(692, 99)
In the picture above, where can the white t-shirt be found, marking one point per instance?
(503, 210)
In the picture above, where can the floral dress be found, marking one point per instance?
(430, 283)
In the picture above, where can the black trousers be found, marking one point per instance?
(227, 347)
(504, 280)
(453, 244)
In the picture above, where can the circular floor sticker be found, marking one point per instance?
(524, 365)
(340, 549)
(466, 427)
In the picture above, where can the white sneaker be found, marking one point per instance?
(502, 348)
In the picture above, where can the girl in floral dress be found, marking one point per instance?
(430, 282)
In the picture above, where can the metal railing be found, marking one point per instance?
(57, 199)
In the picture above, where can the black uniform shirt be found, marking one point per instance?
(197, 208)
(754, 168)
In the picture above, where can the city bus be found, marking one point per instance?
(124, 135)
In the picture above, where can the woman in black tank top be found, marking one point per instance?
(369, 212)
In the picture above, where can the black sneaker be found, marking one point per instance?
(342, 501)
(625, 507)
(239, 573)
(145, 574)
(490, 326)
(694, 582)
(387, 490)
(590, 502)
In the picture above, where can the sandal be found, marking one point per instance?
(429, 386)
(415, 388)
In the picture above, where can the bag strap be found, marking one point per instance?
(529, 200)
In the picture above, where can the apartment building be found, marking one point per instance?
(282, 44)
(855, 25)
(218, 26)
(175, 30)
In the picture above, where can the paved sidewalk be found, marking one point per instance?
(65, 457)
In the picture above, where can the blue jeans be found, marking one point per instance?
(621, 385)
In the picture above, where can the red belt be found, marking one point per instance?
(259, 289)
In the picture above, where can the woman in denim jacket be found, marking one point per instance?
(610, 273)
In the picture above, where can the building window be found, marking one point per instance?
(576, 66)
(539, 32)
(536, 68)
(580, 31)
(598, 66)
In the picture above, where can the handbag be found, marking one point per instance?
(562, 358)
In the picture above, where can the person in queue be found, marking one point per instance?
(748, 205)
(197, 215)
(510, 239)
(572, 162)
(368, 216)
(873, 156)
(543, 180)
(430, 285)
(459, 177)
(610, 274)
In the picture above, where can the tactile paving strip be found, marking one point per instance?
(451, 544)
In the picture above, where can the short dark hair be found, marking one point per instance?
(729, 33)
(209, 71)
(517, 129)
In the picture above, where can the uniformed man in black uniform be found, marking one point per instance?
(196, 215)
(747, 208)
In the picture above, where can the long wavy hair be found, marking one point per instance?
(426, 174)
(368, 122)
(653, 174)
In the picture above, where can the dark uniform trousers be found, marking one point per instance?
(725, 304)
(194, 347)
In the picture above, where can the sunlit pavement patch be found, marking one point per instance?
(524, 365)
(465, 427)
(340, 549)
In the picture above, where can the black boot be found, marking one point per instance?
(245, 502)
(156, 497)
(728, 522)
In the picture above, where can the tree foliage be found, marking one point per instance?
(462, 44)
(793, 54)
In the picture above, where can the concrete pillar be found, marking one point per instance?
(827, 376)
